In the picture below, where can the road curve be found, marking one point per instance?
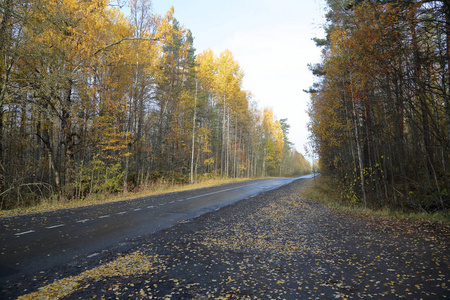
(36, 242)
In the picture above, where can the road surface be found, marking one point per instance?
(276, 245)
(37, 242)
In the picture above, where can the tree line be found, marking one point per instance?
(93, 101)
(380, 110)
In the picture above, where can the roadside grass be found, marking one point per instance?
(323, 190)
(53, 203)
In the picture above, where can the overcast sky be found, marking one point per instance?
(271, 41)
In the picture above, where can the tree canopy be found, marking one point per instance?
(93, 100)
(380, 111)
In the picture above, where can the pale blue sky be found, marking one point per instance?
(271, 40)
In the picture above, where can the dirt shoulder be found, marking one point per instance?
(274, 245)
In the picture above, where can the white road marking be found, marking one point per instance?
(151, 206)
(25, 232)
(172, 202)
(83, 221)
(56, 226)
(161, 204)
(92, 255)
(214, 193)
(181, 200)
(122, 212)
(226, 190)
(136, 209)
(105, 216)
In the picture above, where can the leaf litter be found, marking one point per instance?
(276, 245)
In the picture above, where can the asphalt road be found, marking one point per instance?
(276, 245)
(40, 241)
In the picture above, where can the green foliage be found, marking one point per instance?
(96, 176)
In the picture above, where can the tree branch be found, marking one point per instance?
(125, 39)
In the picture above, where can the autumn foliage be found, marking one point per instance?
(92, 100)
(380, 112)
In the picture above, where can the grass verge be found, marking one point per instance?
(53, 203)
(323, 190)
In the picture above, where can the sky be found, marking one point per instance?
(272, 42)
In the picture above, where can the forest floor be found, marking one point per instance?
(276, 245)
(325, 190)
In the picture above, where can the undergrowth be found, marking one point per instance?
(323, 190)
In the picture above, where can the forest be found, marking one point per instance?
(380, 107)
(93, 100)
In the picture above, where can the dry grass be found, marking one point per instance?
(323, 190)
(53, 203)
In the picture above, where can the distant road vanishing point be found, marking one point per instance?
(35, 242)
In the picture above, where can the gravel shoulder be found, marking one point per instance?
(273, 246)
